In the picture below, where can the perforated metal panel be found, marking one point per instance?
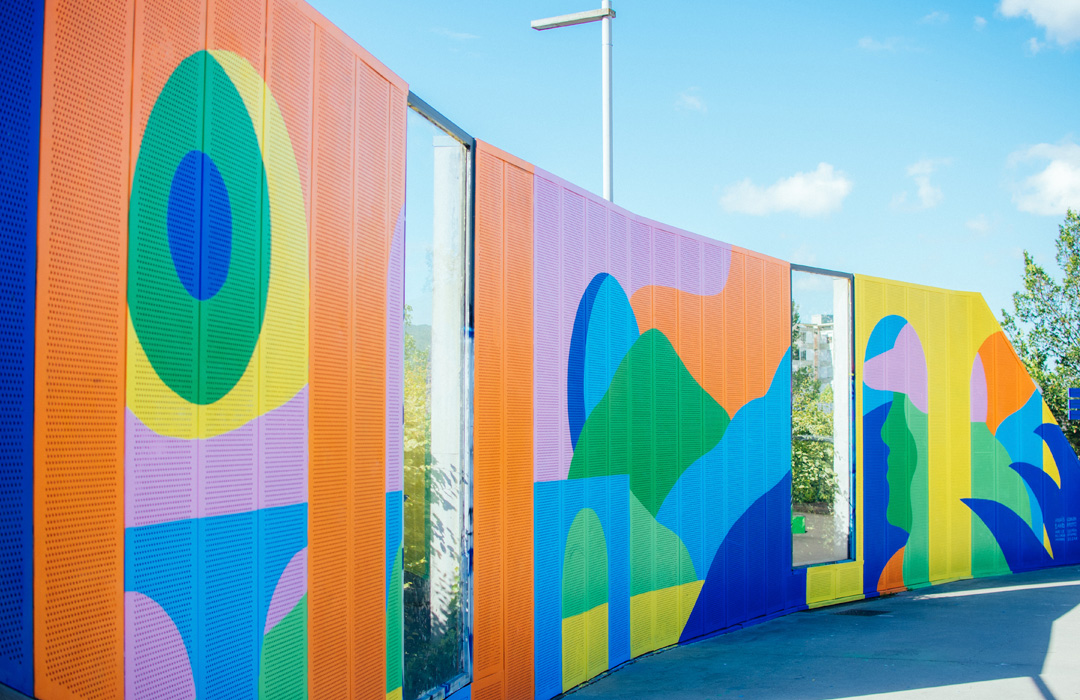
(20, 104)
(79, 393)
(331, 437)
(503, 429)
(357, 188)
(373, 226)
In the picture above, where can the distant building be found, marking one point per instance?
(813, 347)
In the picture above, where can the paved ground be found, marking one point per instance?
(820, 542)
(1014, 637)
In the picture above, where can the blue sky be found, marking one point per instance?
(925, 141)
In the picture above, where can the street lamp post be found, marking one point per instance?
(604, 15)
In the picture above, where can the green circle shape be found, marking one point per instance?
(199, 349)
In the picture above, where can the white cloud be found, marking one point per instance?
(1034, 46)
(980, 23)
(927, 195)
(451, 34)
(816, 193)
(935, 17)
(1060, 18)
(980, 224)
(868, 43)
(1055, 188)
(691, 99)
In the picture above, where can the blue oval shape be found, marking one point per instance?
(200, 225)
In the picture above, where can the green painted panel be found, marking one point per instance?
(647, 537)
(992, 479)
(283, 667)
(218, 125)
(917, 550)
(394, 639)
(651, 398)
(586, 552)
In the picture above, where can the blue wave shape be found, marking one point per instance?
(710, 489)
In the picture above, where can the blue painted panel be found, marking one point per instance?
(1074, 393)
(21, 30)
(214, 579)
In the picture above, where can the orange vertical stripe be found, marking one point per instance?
(331, 438)
(80, 346)
(357, 191)
(503, 428)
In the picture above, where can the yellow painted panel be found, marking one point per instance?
(671, 606)
(585, 646)
(951, 326)
(1049, 465)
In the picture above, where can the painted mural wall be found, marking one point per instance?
(202, 479)
(217, 494)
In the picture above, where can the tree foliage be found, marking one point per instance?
(813, 476)
(1045, 325)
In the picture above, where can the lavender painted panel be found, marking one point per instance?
(578, 235)
(395, 351)
(548, 388)
(156, 663)
(161, 488)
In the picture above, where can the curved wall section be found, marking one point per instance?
(201, 391)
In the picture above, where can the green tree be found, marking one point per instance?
(1045, 325)
(813, 478)
(417, 447)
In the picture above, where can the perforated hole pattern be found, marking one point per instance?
(20, 102)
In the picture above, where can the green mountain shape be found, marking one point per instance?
(654, 421)
(658, 557)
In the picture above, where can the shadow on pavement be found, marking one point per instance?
(1007, 637)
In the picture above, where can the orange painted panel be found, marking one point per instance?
(1008, 386)
(503, 428)
(331, 435)
(238, 26)
(745, 333)
(357, 191)
(290, 57)
(892, 576)
(80, 350)
(372, 228)
(165, 35)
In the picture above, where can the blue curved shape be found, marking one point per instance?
(1062, 525)
(1022, 549)
(748, 580)
(883, 337)
(555, 503)
(394, 533)
(605, 328)
(200, 225)
(881, 538)
(215, 578)
(872, 398)
(718, 483)
(1017, 435)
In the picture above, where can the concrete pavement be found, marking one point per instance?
(1013, 637)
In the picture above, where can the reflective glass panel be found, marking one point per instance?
(821, 418)
(436, 396)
